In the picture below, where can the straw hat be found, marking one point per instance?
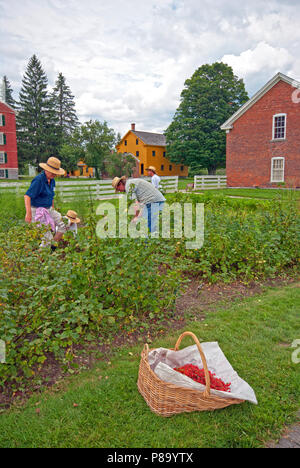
(72, 216)
(117, 180)
(53, 166)
(151, 168)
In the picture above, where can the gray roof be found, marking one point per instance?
(153, 139)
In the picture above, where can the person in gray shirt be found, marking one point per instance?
(150, 199)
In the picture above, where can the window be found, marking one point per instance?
(162, 167)
(2, 139)
(164, 154)
(279, 126)
(3, 157)
(137, 154)
(3, 173)
(2, 120)
(153, 153)
(170, 167)
(277, 170)
(125, 142)
(137, 141)
(182, 168)
(142, 169)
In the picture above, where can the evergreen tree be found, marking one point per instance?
(8, 93)
(209, 98)
(64, 106)
(37, 128)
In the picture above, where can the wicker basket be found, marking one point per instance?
(167, 399)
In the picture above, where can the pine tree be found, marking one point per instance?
(8, 93)
(37, 127)
(64, 107)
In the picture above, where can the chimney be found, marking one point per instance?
(133, 126)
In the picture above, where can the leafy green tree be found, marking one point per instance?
(8, 93)
(119, 164)
(38, 134)
(64, 106)
(208, 99)
(98, 141)
(92, 142)
(70, 154)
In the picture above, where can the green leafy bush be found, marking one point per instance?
(52, 303)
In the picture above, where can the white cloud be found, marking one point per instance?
(128, 61)
(262, 58)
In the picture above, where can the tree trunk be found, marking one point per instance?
(97, 174)
(211, 170)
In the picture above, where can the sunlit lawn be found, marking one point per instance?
(103, 408)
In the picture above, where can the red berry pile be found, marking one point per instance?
(198, 375)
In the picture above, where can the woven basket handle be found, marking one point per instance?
(207, 379)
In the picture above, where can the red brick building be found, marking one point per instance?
(8, 143)
(263, 137)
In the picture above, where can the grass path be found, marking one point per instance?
(102, 407)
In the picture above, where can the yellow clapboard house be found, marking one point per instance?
(150, 149)
(83, 171)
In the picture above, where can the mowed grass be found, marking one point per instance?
(103, 408)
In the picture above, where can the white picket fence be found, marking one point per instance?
(90, 189)
(209, 182)
(169, 184)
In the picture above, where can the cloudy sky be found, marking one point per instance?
(127, 61)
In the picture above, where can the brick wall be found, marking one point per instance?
(10, 146)
(250, 147)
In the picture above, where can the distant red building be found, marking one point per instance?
(8, 143)
(263, 137)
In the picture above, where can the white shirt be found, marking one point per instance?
(155, 180)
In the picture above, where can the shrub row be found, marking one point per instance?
(92, 288)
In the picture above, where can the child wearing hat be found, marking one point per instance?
(73, 220)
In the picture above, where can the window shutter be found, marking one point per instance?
(6, 173)
(5, 158)
(4, 139)
(3, 120)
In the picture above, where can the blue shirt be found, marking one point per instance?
(40, 192)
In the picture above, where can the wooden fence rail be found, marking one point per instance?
(210, 182)
(95, 189)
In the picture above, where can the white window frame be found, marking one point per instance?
(272, 169)
(1, 120)
(2, 138)
(2, 157)
(273, 127)
(2, 171)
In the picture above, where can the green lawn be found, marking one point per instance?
(267, 194)
(102, 407)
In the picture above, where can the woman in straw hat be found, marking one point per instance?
(40, 197)
(155, 179)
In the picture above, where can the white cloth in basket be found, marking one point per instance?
(162, 361)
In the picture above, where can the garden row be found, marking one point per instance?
(92, 289)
